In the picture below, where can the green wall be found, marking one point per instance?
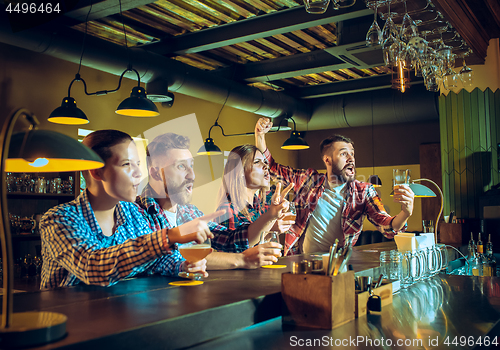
(470, 133)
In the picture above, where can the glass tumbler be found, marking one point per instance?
(391, 264)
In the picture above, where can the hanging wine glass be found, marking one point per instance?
(450, 79)
(466, 74)
(374, 34)
(408, 27)
(390, 51)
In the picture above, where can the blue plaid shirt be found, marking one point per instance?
(75, 250)
(225, 240)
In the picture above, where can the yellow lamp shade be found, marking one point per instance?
(295, 142)
(68, 113)
(49, 151)
(137, 105)
(209, 148)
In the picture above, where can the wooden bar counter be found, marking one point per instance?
(241, 309)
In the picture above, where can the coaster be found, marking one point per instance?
(186, 283)
(274, 266)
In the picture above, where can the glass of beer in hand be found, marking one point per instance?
(400, 177)
(194, 252)
(291, 214)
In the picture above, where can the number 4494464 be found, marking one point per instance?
(32, 7)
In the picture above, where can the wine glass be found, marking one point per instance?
(194, 252)
(466, 74)
(374, 34)
(408, 27)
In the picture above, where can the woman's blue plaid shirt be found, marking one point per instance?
(75, 250)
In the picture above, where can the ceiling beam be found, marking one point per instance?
(334, 58)
(280, 22)
(347, 87)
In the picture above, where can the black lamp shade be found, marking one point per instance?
(49, 151)
(295, 142)
(375, 181)
(138, 105)
(68, 113)
(209, 148)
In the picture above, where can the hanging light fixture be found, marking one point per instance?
(69, 113)
(137, 105)
(295, 141)
(32, 151)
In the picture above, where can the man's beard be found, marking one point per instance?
(178, 194)
(341, 176)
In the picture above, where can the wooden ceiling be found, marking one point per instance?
(275, 44)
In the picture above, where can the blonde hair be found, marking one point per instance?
(234, 184)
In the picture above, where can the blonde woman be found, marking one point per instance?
(245, 196)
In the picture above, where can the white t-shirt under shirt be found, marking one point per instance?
(171, 217)
(325, 222)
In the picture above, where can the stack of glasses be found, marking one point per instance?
(413, 266)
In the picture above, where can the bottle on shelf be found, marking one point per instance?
(477, 265)
(471, 255)
(490, 266)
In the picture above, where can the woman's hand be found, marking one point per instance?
(282, 225)
(197, 267)
(262, 254)
(279, 205)
(263, 126)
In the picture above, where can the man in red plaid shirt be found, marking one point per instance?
(332, 205)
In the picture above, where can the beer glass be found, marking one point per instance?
(194, 252)
(400, 177)
(412, 269)
(391, 265)
(291, 214)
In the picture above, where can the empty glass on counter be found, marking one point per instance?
(391, 264)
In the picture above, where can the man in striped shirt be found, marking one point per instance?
(333, 205)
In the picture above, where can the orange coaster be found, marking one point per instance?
(274, 266)
(186, 283)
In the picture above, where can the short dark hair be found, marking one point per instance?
(162, 143)
(328, 142)
(101, 141)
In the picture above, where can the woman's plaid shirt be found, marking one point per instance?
(362, 201)
(74, 249)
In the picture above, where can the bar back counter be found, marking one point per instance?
(241, 309)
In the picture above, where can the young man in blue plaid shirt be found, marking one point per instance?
(165, 203)
(101, 238)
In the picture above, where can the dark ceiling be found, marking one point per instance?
(276, 45)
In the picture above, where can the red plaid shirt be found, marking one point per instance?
(362, 201)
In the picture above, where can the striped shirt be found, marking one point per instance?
(361, 201)
(75, 250)
(225, 240)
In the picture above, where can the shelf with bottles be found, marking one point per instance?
(37, 185)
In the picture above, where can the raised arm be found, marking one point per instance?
(262, 127)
